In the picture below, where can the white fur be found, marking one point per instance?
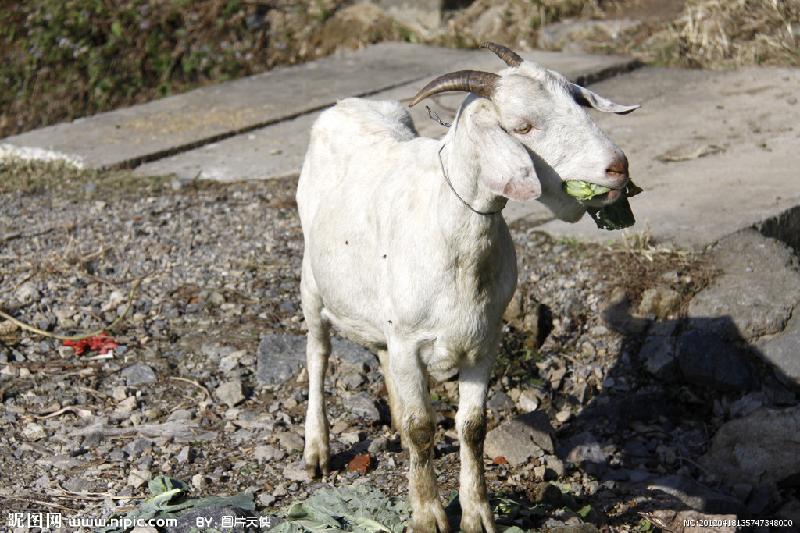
(394, 260)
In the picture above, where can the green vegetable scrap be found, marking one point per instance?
(583, 190)
(359, 509)
(609, 217)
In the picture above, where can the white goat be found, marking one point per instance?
(406, 250)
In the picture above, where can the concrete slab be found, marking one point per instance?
(715, 152)
(127, 137)
(278, 149)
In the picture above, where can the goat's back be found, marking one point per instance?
(353, 126)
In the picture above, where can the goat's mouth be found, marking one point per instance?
(604, 199)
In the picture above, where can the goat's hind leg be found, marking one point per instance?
(395, 406)
(318, 348)
(411, 388)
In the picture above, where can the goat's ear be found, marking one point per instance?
(506, 167)
(587, 98)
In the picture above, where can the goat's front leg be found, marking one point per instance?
(411, 387)
(476, 513)
(316, 454)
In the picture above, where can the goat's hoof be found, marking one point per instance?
(317, 459)
(477, 518)
(429, 518)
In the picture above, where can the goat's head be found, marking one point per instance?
(531, 124)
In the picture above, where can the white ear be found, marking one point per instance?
(506, 167)
(587, 98)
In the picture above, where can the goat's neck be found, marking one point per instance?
(474, 230)
(462, 168)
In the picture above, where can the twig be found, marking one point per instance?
(195, 383)
(85, 495)
(39, 502)
(26, 327)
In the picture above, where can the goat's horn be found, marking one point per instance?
(473, 81)
(508, 55)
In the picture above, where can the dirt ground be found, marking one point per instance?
(218, 267)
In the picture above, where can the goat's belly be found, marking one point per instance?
(356, 329)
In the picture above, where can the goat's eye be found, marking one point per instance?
(525, 128)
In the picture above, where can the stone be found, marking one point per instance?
(694, 495)
(279, 357)
(660, 302)
(353, 353)
(291, 442)
(363, 406)
(230, 392)
(760, 449)
(709, 360)
(137, 478)
(268, 453)
(199, 481)
(138, 374)
(568, 34)
(756, 292)
(500, 401)
(582, 449)
(33, 431)
(659, 357)
(27, 293)
(528, 401)
(782, 351)
(519, 439)
(295, 472)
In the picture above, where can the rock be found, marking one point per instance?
(230, 392)
(583, 450)
(138, 374)
(266, 499)
(295, 472)
(782, 351)
(352, 353)
(378, 445)
(291, 442)
(27, 293)
(500, 401)
(617, 314)
(279, 357)
(709, 360)
(199, 481)
(33, 431)
(755, 295)
(137, 478)
(350, 377)
(363, 406)
(659, 357)
(759, 449)
(660, 302)
(528, 401)
(695, 495)
(119, 392)
(268, 453)
(677, 520)
(183, 455)
(570, 34)
(518, 439)
(350, 437)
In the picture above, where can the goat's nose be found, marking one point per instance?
(618, 167)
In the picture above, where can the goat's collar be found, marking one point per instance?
(450, 184)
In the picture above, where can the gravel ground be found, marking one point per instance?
(218, 267)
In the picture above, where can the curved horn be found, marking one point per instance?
(473, 81)
(511, 58)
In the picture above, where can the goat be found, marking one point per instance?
(406, 250)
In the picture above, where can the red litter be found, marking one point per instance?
(102, 343)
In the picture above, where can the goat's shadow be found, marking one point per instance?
(673, 381)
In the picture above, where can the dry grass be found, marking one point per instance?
(728, 34)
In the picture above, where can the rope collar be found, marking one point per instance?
(450, 184)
